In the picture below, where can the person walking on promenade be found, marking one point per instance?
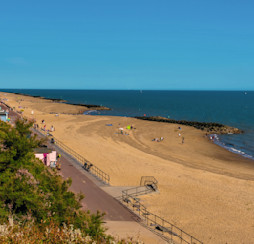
(58, 157)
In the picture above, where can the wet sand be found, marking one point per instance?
(204, 189)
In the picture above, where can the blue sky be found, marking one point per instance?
(134, 44)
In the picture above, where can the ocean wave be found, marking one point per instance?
(229, 146)
(90, 112)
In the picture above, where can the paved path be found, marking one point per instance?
(120, 220)
(95, 198)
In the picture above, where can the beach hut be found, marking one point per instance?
(47, 156)
(3, 115)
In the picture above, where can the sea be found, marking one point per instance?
(233, 108)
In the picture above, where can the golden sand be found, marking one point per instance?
(203, 189)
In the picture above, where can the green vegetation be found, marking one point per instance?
(35, 199)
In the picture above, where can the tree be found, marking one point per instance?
(28, 188)
(17, 144)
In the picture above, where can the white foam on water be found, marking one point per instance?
(90, 111)
(218, 142)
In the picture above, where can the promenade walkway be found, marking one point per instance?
(95, 198)
(119, 220)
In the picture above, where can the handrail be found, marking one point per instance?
(88, 166)
(145, 179)
(169, 231)
(149, 181)
(137, 191)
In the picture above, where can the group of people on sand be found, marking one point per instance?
(36, 126)
(158, 139)
(162, 138)
(43, 127)
(128, 127)
(179, 134)
(52, 128)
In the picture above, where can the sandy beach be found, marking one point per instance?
(203, 189)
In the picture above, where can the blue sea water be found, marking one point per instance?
(233, 108)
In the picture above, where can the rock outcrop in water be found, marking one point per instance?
(209, 127)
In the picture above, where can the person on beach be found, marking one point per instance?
(58, 157)
(58, 166)
(182, 140)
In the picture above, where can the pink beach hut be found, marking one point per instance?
(47, 156)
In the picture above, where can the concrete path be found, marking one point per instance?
(95, 198)
(120, 221)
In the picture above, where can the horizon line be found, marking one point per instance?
(94, 89)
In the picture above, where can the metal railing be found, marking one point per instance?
(136, 191)
(88, 166)
(167, 230)
(149, 181)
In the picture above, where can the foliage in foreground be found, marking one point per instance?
(32, 195)
(38, 234)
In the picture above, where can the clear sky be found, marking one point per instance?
(131, 44)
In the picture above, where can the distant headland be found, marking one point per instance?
(58, 100)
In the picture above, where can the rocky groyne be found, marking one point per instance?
(208, 127)
(90, 106)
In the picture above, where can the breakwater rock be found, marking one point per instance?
(90, 106)
(209, 127)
